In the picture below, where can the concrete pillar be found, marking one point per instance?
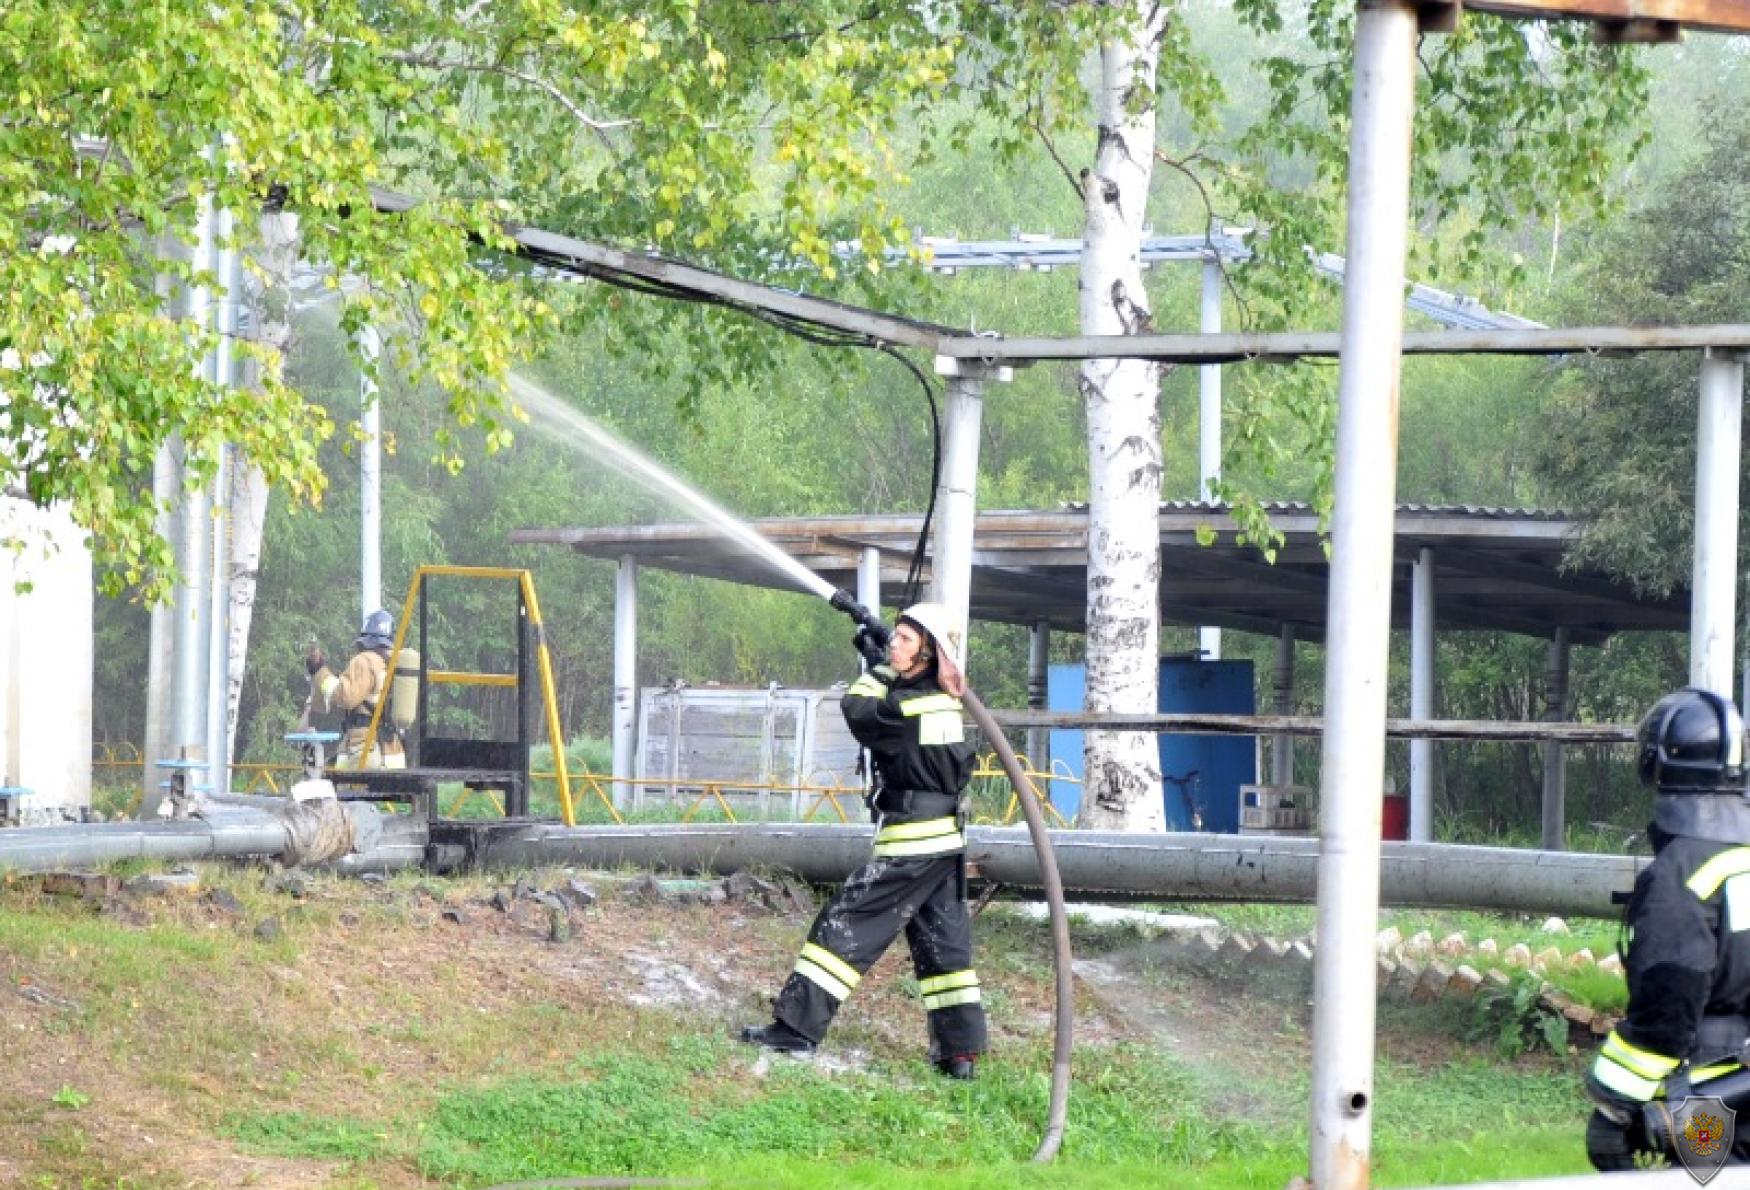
(1713, 588)
(46, 660)
(370, 480)
(1340, 1137)
(625, 679)
(1555, 757)
(1038, 680)
(1422, 696)
(1282, 746)
(1209, 421)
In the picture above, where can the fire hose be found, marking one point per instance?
(1064, 1019)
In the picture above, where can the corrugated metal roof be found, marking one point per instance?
(1300, 507)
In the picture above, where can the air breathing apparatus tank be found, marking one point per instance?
(404, 690)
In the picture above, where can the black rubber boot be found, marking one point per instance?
(961, 1067)
(777, 1036)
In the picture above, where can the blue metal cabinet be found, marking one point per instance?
(1201, 775)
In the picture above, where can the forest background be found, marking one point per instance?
(838, 431)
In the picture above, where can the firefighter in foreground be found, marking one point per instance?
(1688, 956)
(356, 691)
(906, 710)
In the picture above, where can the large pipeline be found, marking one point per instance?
(227, 835)
(231, 826)
(1104, 864)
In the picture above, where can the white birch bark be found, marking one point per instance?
(1122, 789)
(276, 252)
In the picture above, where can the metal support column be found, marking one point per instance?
(370, 479)
(228, 274)
(1282, 746)
(1555, 759)
(1038, 680)
(1370, 369)
(957, 488)
(625, 679)
(1719, 428)
(161, 638)
(1209, 421)
(188, 697)
(1422, 695)
(869, 579)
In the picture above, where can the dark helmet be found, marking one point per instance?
(1692, 750)
(1692, 739)
(378, 631)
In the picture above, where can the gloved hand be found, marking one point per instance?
(314, 660)
(865, 645)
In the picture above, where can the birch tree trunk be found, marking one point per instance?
(276, 253)
(1122, 789)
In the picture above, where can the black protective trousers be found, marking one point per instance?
(921, 895)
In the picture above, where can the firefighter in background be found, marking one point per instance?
(906, 710)
(1688, 931)
(357, 691)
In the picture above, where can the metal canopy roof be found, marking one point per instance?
(1495, 568)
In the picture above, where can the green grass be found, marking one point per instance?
(688, 1106)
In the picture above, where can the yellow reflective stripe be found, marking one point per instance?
(1645, 1063)
(952, 999)
(823, 980)
(867, 685)
(922, 829)
(1624, 1081)
(1703, 1073)
(1707, 879)
(328, 685)
(827, 960)
(941, 727)
(943, 983)
(929, 703)
(943, 845)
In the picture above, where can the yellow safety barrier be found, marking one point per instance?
(543, 666)
(825, 786)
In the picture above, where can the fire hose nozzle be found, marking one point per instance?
(845, 602)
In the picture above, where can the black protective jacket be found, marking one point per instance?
(916, 735)
(1688, 966)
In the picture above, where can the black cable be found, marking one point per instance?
(915, 573)
(808, 332)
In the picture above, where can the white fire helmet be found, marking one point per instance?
(949, 634)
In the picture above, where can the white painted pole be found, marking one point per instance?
(227, 273)
(1422, 695)
(869, 579)
(370, 481)
(161, 635)
(1713, 588)
(625, 679)
(1209, 422)
(1282, 746)
(957, 488)
(1038, 684)
(1555, 757)
(189, 712)
(1360, 595)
